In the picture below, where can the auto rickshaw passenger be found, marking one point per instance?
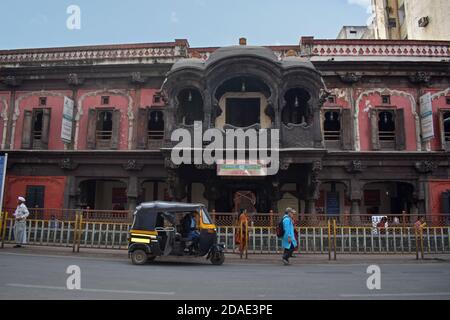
(190, 227)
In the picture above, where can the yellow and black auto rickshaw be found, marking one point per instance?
(173, 229)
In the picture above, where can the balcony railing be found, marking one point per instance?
(103, 135)
(37, 135)
(386, 135)
(155, 134)
(447, 136)
(332, 135)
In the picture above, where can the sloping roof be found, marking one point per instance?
(234, 51)
(242, 51)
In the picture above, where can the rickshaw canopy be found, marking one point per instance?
(165, 206)
(145, 216)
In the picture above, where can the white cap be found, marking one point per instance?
(21, 199)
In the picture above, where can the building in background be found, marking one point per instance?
(355, 32)
(411, 19)
(364, 125)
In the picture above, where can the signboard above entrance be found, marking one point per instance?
(239, 169)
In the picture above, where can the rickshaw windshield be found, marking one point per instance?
(205, 216)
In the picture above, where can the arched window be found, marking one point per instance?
(386, 126)
(243, 103)
(155, 125)
(446, 119)
(332, 125)
(104, 125)
(190, 106)
(296, 110)
(38, 124)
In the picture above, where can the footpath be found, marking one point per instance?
(232, 258)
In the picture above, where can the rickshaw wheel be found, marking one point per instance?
(139, 257)
(218, 259)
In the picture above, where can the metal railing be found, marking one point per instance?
(270, 219)
(316, 220)
(329, 239)
(124, 216)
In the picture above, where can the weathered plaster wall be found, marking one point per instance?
(17, 186)
(400, 99)
(28, 100)
(4, 106)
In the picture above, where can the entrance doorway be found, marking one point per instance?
(244, 200)
(387, 198)
(235, 196)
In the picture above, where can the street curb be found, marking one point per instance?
(234, 258)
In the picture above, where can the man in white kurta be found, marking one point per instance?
(20, 225)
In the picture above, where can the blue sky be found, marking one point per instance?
(42, 23)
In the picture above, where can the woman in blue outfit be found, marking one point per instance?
(289, 242)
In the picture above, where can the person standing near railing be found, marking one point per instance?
(382, 225)
(289, 242)
(20, 224)
(242, 235)
(420, 223)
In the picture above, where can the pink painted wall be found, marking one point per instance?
(55, 103)
(399, 102)
(439, 103)
(147, 97)
(4, 103)
(116, 101)
(340, 102)
(436, 188)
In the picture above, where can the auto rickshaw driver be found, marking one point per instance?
(190, 230)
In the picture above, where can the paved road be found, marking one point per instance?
(37, 276)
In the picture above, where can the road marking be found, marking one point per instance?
(412, 294)
(29, 286)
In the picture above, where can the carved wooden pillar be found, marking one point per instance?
(313, 193)
(13, 83)
(275, 195)
(212, 193)
(355, 200)
(74, 82)
(176, 187)
(132, 193)
(318, 141)
(310, 207)
(73, 193)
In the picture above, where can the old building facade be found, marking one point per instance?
(348, 113)
(411, 19)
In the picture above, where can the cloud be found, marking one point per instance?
(174, 17)
(362, 3)
(365, 4)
